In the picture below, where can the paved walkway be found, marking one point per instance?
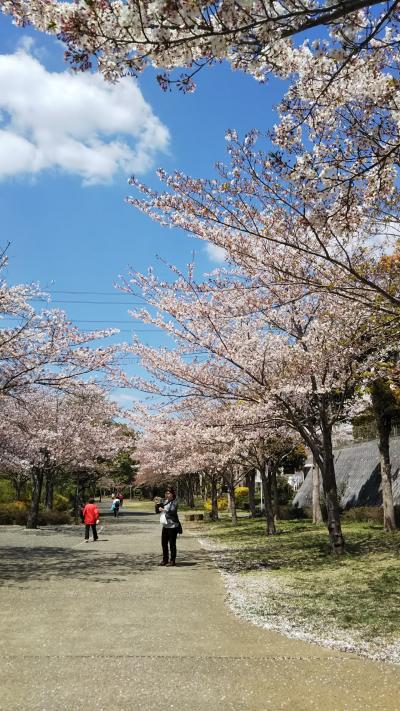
(101, 626)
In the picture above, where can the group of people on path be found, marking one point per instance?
(169, 520)
(91, 515)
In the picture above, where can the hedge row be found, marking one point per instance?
(11, 514)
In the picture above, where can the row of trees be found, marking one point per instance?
(57, 422)
(220, 444)
(52, 439)
(257, 362)
(299, 330)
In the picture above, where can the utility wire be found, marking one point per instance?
(88, 293)
(111, 303)
(130, 321)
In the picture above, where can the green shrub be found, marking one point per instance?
(369, 514)
(7, 492)
(290, 513)
(17, 513)
(366, 514)
(285, 491)
(60, 503)
(307, 511)
(53, 518)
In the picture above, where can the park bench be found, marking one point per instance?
(194, 516)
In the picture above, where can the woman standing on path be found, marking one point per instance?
(90, 518)
(170, 524)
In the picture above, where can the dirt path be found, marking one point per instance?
(102, 626)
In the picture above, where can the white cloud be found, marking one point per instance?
(76, 123)
(215, 253)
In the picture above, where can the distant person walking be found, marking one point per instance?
(90, 519)
(171, 526)
(115, 507)
(121, 499)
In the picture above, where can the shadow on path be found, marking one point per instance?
(132, 515)
(19, 564)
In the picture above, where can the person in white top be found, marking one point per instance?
(115, 506)
(170, 524)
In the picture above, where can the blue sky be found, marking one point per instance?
(68, 146)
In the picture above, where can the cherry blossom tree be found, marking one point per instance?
(300, 224)
(344, 83)
(257, 37)
(344, 91)
(44, 348)
(298, 354)
(278, 223)
(275, 215)
(169, 449)
(46, 432)
(194, 437)
(221, 440)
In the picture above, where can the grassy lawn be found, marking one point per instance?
(136, 505)
(293, 577)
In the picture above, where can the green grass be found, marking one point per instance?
(358, 592)
(136, 505)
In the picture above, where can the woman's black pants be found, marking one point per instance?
(92, 526)
(168, 536)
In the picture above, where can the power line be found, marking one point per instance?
(101, 321)
(120, 330)
(111, 303)
(130, 321)
(124, 330)
(89, 293)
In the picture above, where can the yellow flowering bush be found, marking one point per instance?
(222, 503)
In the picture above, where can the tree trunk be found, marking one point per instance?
(269, 513)
(189, 492)
(232, 503)
(214, 498)
(77, 501)
(17, 483)
(330, 489)
(316, 493)
(49, 491)
(203, 486)
(37, 483)
(274, 488)
(251, 483)
(384, 405)
(389, 520)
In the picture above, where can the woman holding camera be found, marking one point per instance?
(170, 526)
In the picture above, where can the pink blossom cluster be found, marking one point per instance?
(75, 432)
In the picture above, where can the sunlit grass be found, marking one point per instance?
(136, 505)
(359, 592)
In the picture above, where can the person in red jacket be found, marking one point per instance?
(90, 519)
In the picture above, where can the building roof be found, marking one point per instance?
(358, 478)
